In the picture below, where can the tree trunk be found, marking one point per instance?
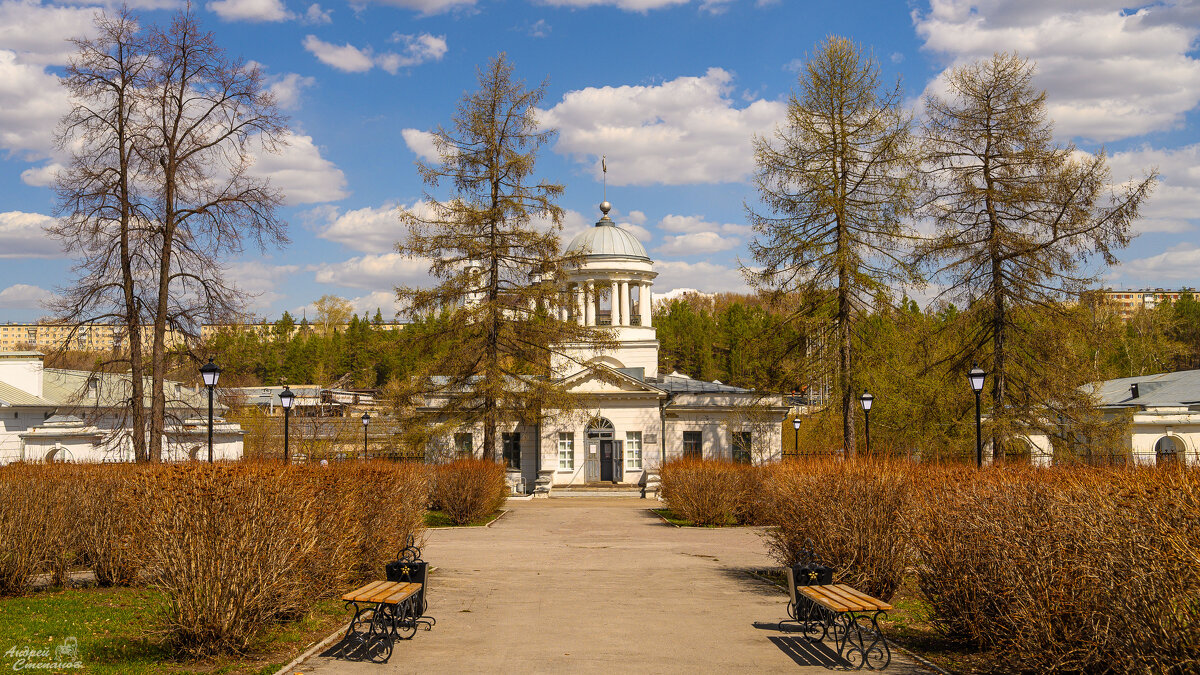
(158, 365)
(999, 364)
(844, 364)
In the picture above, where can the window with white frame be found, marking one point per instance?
(566, 450)
(463, 443)
(633, 450)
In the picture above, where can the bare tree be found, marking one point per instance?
(499, 271)
(206, 113)
(101, 208)
(837, 180)
(1018, 219)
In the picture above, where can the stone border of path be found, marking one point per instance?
(891, 643)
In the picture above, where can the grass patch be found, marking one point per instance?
(434, 518)
(113, 632)
(675, 519)
(909, 626)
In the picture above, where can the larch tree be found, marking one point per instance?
(494, 252)
(1019, 220)
(206, 116)
(101, 204)
(837, 181)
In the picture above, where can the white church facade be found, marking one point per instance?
(634, 418)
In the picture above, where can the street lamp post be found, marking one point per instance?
(285, 399)
(866, 400)
(976, 376)
(366, 420)
(211, 373)
(796, 437)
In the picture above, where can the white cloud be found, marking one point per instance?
(674, 223)
(539, 29)
(23, 235)
(347, 57)
(41, 176)
(1109, 72)
(637, 217)
(421, 143)
(315, 15)
(1173, 205)
(627, 5)
(250, 10)
(24, 296)
(368, 230)
(697, 236)
(418, 49)
(706, 277)
(31, 100)
(382, 271)
(384, 301)
(428, 7)
(683, 131)
(259, 282)
(38, 33)
(299, 170)
(1178, 263)
(288, 87)
(696, 243)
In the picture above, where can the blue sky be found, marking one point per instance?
(671, 90)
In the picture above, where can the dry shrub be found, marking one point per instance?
(850, 512)
(1067, 569)
(103, 535)
(227, 545)
(237, 547)
(468, 489)
(368, 512)
(33, 516)
(708, 492)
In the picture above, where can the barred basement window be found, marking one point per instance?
(741, 447)
(512, 449)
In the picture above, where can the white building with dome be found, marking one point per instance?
(634, 418)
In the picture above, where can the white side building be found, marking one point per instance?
(1164, 416)
(50, 414)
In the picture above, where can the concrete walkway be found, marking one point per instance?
(598, 585)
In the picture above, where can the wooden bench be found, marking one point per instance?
(383, 611)
(842, 611)
(386, 610)
(822, 607)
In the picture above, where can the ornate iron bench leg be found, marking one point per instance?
(862, 648)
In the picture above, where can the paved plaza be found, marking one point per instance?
(571, 585)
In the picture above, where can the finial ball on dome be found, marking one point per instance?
(605, 207)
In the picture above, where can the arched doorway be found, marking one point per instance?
(606, 455)
(1018, 451)
(1168, 450)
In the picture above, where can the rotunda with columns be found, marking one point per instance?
(633, 418)
(611, 288)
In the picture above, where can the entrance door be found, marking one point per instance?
(618, 461)
(606, 461)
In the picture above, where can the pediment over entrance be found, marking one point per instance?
(600, 379)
